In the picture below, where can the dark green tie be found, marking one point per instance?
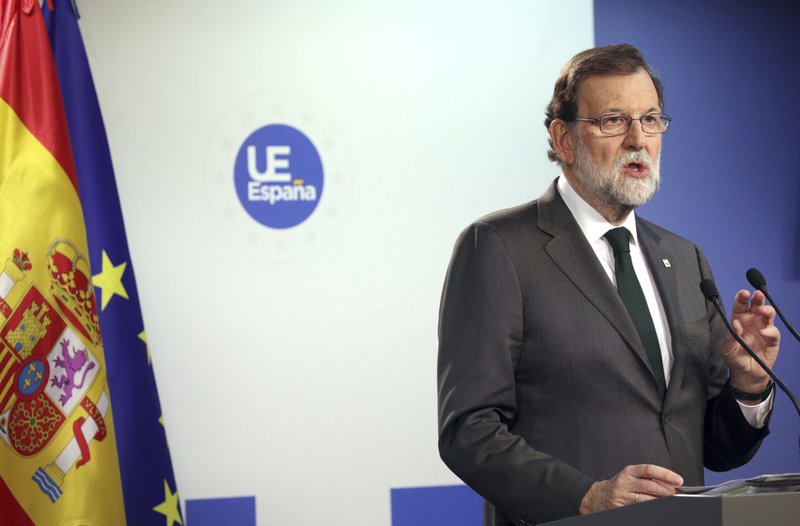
(632, 296)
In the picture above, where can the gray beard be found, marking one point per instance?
(611, 186)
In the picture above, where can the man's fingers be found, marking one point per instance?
(758, 298)
(756, 303)
(657, 489)
(741, 302)
(654, 473)
(634, 484)
(648, 481)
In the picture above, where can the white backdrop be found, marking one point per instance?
(299, 366)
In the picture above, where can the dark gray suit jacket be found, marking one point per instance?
(544, 385)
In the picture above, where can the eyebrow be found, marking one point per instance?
(653, 109)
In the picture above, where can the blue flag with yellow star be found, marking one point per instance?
(149, 491)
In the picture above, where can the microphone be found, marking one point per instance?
(758, 282)
(710, 292)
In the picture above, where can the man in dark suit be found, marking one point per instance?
(580, 366)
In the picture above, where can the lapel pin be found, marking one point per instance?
(666, 263)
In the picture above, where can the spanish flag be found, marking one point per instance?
(63, 449)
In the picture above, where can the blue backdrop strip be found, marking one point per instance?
(436, 506)
(731, 71)
(234, 511)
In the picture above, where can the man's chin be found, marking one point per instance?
(639, 195)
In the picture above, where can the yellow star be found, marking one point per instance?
(110, 280)
(169, 508)
(143, 337)
(161, 421)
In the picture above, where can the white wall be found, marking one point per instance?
(299, 366)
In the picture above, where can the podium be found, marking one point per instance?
(747, 509)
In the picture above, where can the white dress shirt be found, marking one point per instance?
(594, 226)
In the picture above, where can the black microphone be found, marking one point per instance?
(710, 292)
(758, 282)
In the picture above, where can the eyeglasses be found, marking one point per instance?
(620, 123)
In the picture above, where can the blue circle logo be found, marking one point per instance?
(278, 176)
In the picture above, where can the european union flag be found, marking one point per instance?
(149, 489)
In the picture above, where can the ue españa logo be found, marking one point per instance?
(278, 176)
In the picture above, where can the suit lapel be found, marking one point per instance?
(660, 259)
(570, 251)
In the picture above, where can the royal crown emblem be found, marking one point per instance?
(71, 286)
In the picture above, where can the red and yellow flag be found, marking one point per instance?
(58, 451)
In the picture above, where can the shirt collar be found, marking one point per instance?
(593, 225)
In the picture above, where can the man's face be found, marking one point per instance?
(622, 169)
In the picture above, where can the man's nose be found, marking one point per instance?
(635, 138)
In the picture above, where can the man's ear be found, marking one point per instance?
(563, 141)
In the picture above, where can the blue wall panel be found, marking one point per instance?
(436, 506)
(234, 511)
(730, 178)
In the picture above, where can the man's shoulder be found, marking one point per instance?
(525, 213)
(663, 234)
(523, 216)
(512, 227)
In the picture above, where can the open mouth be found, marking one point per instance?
(636, 169)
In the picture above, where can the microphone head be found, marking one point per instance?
(709, 289)
(756, 279)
